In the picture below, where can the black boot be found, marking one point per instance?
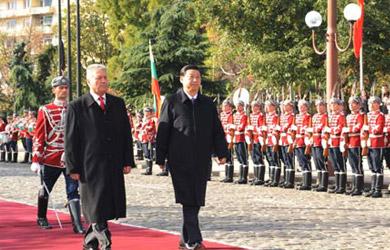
(306, 181)
(9, 156)
(244, 179)
(373, 182)
(241, 173)
(323, 187)
(15, 157)
(349, 192)
(226, 173)
(149, 165)
(75, 214)
(343, 183)
(359, 184)
(260, 177)
(271, 176)
(2, 156)
(140, 154)
(283, 179)
(26, 156)
(290, 178)
(230, 173)
(42, 210)
(164, 172)
(378, 187)
(256, 169)
(318, 180)
(276, 179)
(337, 186)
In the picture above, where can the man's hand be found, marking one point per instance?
(126, 169)
(221, 161)
(75, 177)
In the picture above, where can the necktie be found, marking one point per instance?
(193, 100)
(101, 103)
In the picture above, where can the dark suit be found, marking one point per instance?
(98, 145)
(187, 135)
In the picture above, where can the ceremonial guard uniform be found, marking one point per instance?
(252, 134)
(352, 132)
(386, 130)
(273, 131)
(319, 122)
(13, 136)
(286, 143)
(137, 139)
(302, 123)
(375, 143)
(148, 138)
(336, 122)
(240, 121)
(22, 127)
(226, 117)
(3, 139)
(48, 150)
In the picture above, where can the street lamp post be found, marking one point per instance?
(313, 20)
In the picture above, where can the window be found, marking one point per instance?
(12, 5)
(47, 39)
(46, 20)
(11, 24)
(27, 4)
(45, 3)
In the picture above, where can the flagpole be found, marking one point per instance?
(361, 69)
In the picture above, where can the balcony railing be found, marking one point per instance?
(27, 12)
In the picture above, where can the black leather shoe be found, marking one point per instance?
(164, 173)
(43, 223)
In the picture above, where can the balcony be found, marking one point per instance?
(26, 12)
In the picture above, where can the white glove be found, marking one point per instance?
(35, 167)
(309, 130)
(366, 128)
(345, 130)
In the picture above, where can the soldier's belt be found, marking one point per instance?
(334, 136)
(238, 133)
(375, 136)
(353, 134)
(316, 134)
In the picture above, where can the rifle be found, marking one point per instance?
(365, 137)
(290, 148)
(308, 147)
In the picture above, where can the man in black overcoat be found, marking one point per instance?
(98, 151)
(189, 132)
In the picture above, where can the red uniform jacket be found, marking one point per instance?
(354, 126)
(286, 120)
(302, 122)
(148, 131)
(387, 130)
(336, 124)
(376, 124)
(273, 128)
(256, 121)
(319, 122)
(240, 121)
(48, 141)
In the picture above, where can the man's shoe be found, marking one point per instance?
(43, 223)
(196, 246)
(163, 173)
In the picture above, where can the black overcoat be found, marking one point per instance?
(187, 135)
(97, 146)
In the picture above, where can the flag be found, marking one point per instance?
(358, 31)
(154, 85)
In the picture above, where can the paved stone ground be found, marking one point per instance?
(241, 215)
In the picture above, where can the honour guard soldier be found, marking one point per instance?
(240, 121)
(253, 131)
(302, 123)
(286, 143)
(148, 138)
(13, 135)
(137, 129)
(386, 151)
(355, 121)
(48, 150)
(375, 143)
(226, 117)
(319, 122)
(3, 141)
(336, 123)
(273, 132)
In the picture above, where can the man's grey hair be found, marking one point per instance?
(91, 69)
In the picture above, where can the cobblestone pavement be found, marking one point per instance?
(240, 215)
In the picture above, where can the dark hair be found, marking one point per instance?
(188, 67)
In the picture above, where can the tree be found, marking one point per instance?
(176, 42)
(43, 74)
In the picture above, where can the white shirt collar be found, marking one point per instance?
(96, 97)
(189, 96)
